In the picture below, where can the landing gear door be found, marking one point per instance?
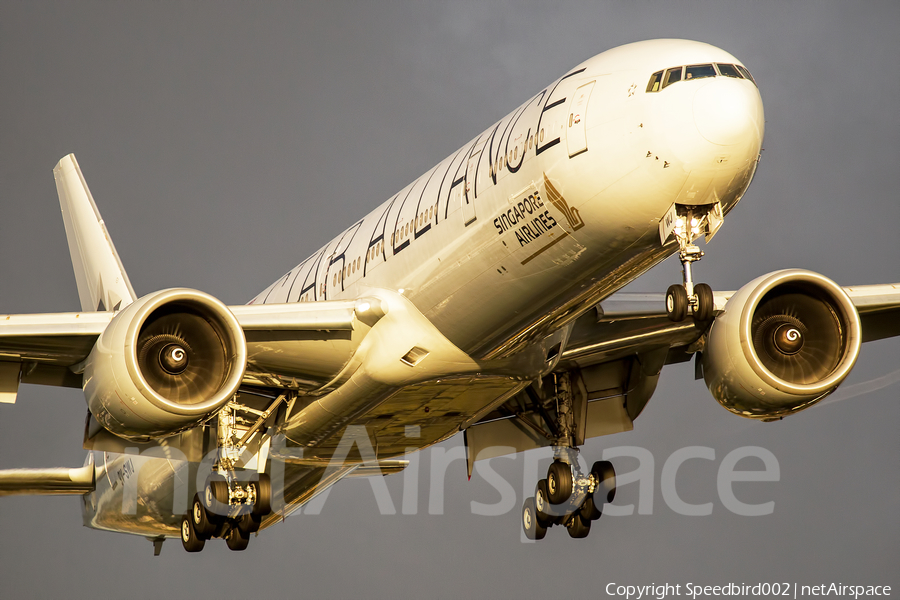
(715, 219)
(468, 199)
(576, 136)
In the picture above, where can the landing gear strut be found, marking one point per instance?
(567, 496)
(696, 298)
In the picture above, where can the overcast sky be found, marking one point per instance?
(225, 142)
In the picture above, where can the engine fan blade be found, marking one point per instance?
(182, 357)
(797, 337)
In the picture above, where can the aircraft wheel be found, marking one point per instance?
(533, 529)
(542, 503)
(578, 527)
(249, 523)
(705, 302)
(263, 489)
(200, 519)
(605, 474)
(189, 538)
(559, 482)
(237, 540)
(215, 497)
(589, 511)
(676, 303)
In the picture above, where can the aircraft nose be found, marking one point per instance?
(728, 111)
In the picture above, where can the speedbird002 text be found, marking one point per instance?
(376, 343)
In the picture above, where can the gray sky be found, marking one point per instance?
(225, 142)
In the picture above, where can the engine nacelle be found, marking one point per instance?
(784, 341)
(164, 363)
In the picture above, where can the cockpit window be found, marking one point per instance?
(699, 71)
(661, 80)
(672, 76)
(746, 73)
(729, 71)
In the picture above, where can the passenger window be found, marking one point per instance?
(729, 71)
(699, 71)
(746, 74)
(655, 80)
(672, 76)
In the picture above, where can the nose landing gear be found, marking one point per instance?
(690, 297)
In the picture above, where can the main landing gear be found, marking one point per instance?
(567, 496)
(214, 513)
(689, 297)
(233, 502)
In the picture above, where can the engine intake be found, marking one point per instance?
(784, 341)
(164, 363)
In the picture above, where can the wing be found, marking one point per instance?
(616, 351)
(50, 349)
(634, 323)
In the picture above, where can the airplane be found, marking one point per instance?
(482, 298)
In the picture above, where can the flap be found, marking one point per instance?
(337, 315)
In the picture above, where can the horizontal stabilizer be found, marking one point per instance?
(52, 481)
(101, 279)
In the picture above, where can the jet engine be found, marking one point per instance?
(163, 364)
(784, 341)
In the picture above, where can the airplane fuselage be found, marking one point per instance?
(493, 257)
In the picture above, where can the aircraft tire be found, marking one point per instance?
(263, 504)
(200, 520)
(541, 504)
(559, 482)
(578, 527)
(249, 523)
(705, 302)
(215, 497)
(189, 538)
(589, 511)
(237, 540)
(676, 303)
(533, 529)
(604, 472)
